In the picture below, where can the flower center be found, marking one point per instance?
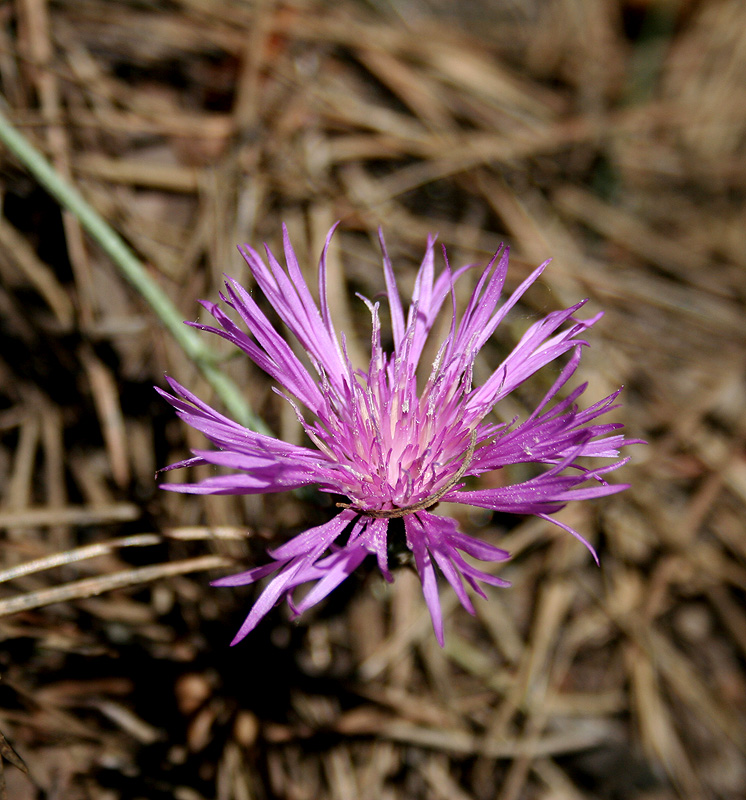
(428, 502)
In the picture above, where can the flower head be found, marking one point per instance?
(392, 448)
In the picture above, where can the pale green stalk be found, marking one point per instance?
(131, 267)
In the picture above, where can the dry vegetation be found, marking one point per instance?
(609, 135)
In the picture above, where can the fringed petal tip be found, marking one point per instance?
(187, 462)
(574, 533)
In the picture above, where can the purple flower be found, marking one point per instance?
(392, 448)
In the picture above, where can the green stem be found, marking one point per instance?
(131, 267)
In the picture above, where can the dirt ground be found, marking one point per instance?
(607, 134)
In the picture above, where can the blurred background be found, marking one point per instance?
(607, 134)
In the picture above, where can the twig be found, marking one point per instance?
(78, 554)
(7, 753)
(32, 517)
(89, 587)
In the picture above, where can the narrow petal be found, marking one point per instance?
(429, 582)
(574, 533)
(397, 313)
(314, 541)
(267, 599)
(249, 576)
(342, 565)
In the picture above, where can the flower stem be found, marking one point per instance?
(132, 268)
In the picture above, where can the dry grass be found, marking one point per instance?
(609, 135)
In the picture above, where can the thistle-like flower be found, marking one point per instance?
(391, 449)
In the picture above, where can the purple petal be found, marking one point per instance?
(426, 572)
(397, 313)
(267, 599)
(343, 565)
(314, 541)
